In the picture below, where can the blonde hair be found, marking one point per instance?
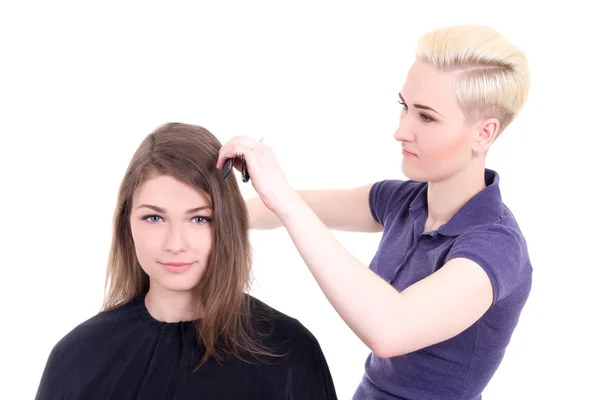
(492, 74)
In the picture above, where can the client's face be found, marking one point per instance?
(171, 228)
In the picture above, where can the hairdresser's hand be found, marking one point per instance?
(265, 174)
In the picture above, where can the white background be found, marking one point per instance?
(82, 84)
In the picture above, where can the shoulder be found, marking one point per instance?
(303, 362)
(500, 248)
(279, 321)
(389, 194)
(280, 329)
(394, 189)
(83, 337)
(493, 240)
(72, 360)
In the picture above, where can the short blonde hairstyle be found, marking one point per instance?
(492, 74)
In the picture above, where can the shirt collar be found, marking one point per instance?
(485, 207)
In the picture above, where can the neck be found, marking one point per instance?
(445, 198)
(171, 306)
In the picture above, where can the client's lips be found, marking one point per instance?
(177, 266)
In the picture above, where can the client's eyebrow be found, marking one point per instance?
(162, 210)
(420, 106)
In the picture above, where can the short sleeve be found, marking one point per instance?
(500, 251)
(384, 195)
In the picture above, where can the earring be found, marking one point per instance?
(476, 153)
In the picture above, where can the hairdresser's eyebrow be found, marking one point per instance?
(162, 210)
(420, 106)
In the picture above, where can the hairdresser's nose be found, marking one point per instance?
(405, 131)
(176, 240)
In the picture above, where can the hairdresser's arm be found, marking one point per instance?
(342, 210)
(389, 322)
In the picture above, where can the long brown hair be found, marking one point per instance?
(189, 154)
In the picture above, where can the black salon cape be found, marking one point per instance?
(126, 354)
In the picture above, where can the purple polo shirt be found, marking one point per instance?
(483, 230)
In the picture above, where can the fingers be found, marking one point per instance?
(237, 145)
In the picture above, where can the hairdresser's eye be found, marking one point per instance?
(426, 118)
(201, 220)
(152, 218)
(403, 104)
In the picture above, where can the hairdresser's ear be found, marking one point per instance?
(487, 131)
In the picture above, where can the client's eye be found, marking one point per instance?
(152, 218)
(201, 219)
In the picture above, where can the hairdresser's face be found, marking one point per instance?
(171, 227)
(436, 141)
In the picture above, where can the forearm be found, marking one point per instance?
(261, 218)
(343, 210)
(363, 300)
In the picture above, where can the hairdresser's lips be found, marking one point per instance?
(176, 266)
(408, 153)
